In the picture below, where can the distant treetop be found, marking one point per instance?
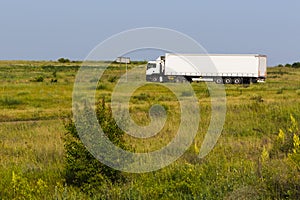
(294, 65)
(63, 60)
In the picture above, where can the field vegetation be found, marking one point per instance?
(256, 157)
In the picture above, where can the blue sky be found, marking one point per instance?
(47, 30)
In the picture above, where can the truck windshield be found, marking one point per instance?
(151, 65)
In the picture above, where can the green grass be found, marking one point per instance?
(32, 131)
(33, 149)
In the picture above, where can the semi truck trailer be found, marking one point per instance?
(218, 68)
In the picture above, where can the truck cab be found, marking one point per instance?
(155, 69)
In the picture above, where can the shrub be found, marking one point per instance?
(142, 97)
(285, 141)
(53, 80)
(257, 98)
(112, 79)
(21, 188)
(38, 79)
(280, 168)
(101, 87)
(82, 169)
(25, 189)
(280, 180)
(9, 101)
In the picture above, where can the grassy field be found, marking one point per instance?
(248, 162)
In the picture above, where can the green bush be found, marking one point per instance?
(82, 169)
(280, 180)
(286, 183)
(112, 79)
(53, 80)
(26, 189)
(9, 101)
(38, 79)
(101, 87)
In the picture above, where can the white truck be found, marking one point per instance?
(219, 68)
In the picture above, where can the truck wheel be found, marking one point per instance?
(178, 80)
(219, 80)
(154, 79)
(237, 81)
(184, 80)
(227, 80)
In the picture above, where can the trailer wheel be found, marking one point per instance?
(246, 81)
(237, 81)
(254, 80)
(178, 80)
(227, 80)
(219, 81)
